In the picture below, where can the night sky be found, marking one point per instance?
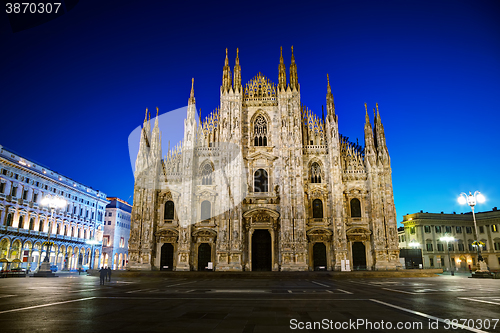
(75, 87)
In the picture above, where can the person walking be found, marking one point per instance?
(109, 274)
(79, 270)
(102, 275)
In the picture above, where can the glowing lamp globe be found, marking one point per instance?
(462, 200)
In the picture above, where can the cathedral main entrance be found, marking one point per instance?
(358, 256)
(204, 256)
(167, 257)
(261, 250)
(319, 256)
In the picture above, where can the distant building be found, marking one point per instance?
(24, 223)
(424, 230)
(116, 234)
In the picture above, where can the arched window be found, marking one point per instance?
(315, 173)
(32, 223)
(355, 208)
(206, 174)
(72, 231)
(65, 230)
(40, 226)
(260, 131)
(58, 229)
(317, 208)
(206, 210)
(169, 210)
(9, 220)
(260, 181)
(21, 221)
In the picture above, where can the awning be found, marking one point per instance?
(16, 260)
(3, 260)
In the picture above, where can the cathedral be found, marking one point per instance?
(263, 184)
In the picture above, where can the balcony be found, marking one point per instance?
(23, 231)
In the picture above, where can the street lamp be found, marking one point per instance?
(448, 239)
(471, 200)
(92, 242)
(52, 203)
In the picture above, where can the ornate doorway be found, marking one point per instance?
(319, 256)
(261, 250)
(358, 256)
(204, 256)
(167, 257)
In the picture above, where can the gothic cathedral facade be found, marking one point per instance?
(262, 183)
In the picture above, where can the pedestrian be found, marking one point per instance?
(79, 270)
(102, 275)
(109, 274)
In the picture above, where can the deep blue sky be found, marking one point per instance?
(74, 88)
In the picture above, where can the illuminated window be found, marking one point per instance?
(494, 228)
(122, 242)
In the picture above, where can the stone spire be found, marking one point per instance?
(294, 83)
(330, 105)
(282, 72)
(369, 143)
(191, 110)
(155, 140)
(237, 73)
(383, 153)
(226, 75)
(191, 95)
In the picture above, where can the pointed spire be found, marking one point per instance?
(146, 116)
(330, 105)
(191, 95)
(328, 88)
(378, 114)
(237, 72)
(294, 84)
(282, 72)
(367, 118)
(226, 75)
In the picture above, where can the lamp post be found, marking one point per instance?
(52, 203)
(471, 200)
(92, 242)
(448, 239)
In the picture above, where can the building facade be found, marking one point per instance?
(116, 234)
(424, 230)
(24, 222)
(263, 183)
